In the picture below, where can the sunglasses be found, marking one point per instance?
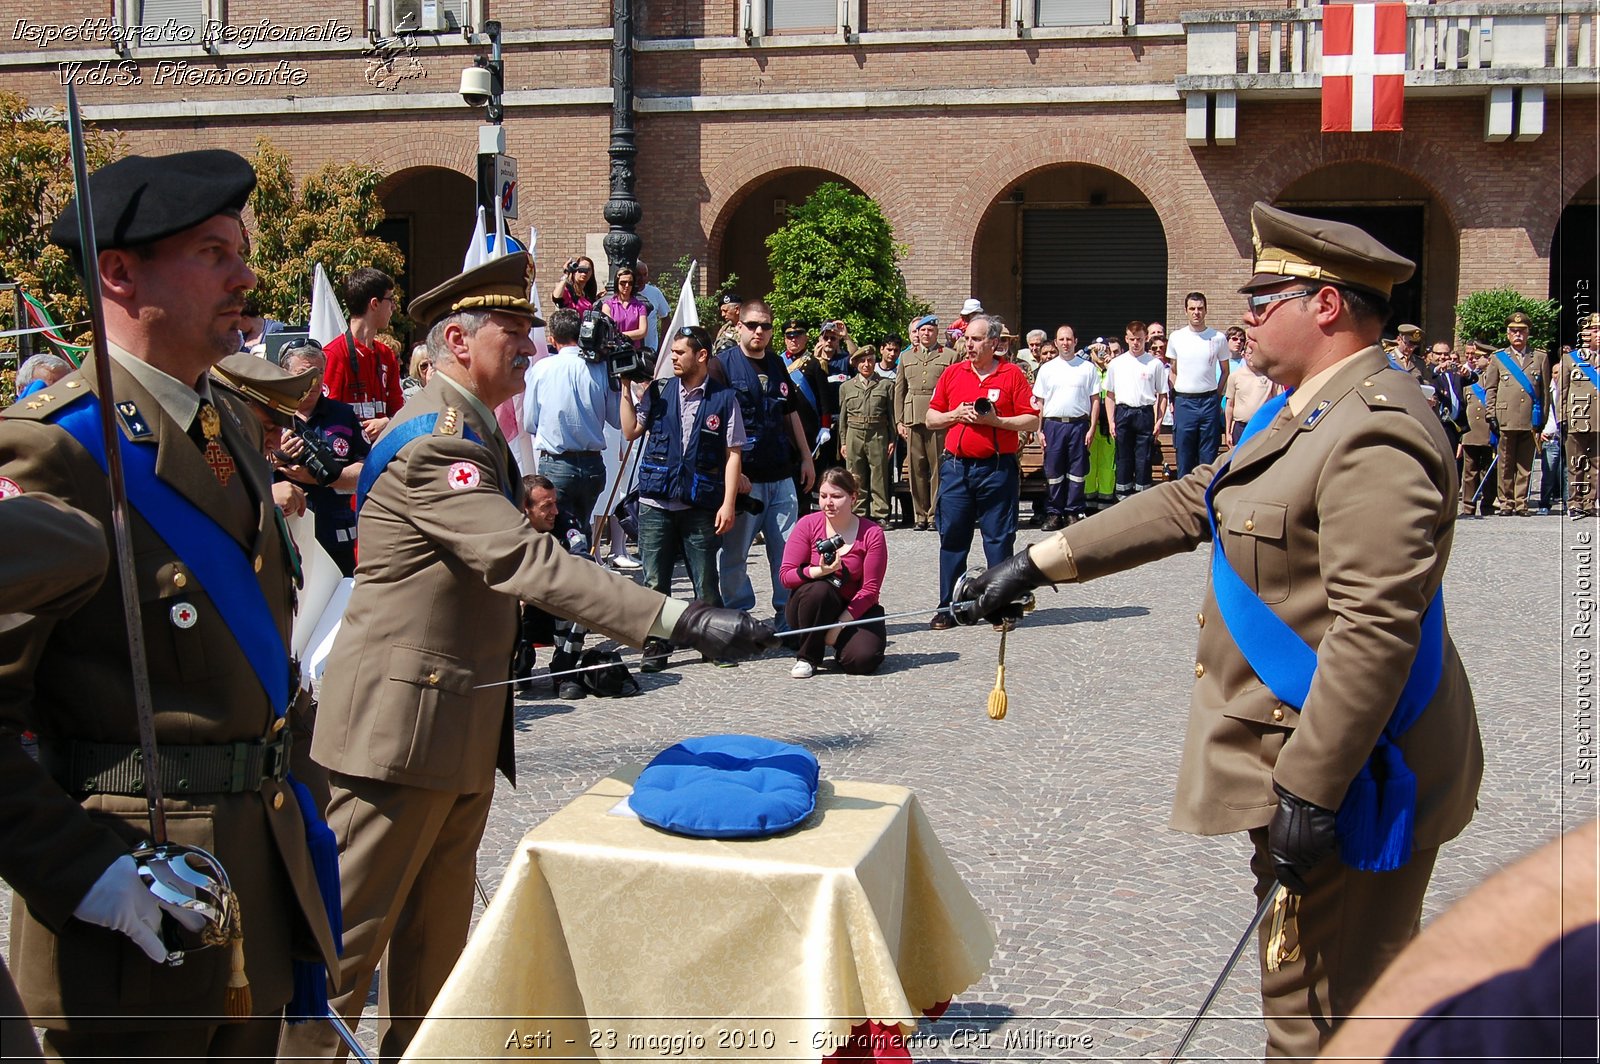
(754, 326)
(794, 334)
(305, 343)
(583, 269)
(1256, 303)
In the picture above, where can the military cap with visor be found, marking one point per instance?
(143, 198)
(1294, 247)
(1410, 332)
(1519, 318)
(499, 284)
(270, 386)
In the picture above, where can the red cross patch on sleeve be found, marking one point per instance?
(464, 475)
(9, 487)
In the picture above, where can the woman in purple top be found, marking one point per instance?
(627, 309)
(845, 588)
(578, 288)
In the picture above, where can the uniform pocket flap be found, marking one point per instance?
(1259, 705)
(429, 668)
(1264, 520)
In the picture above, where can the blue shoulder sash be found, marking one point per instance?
(1584, 365)
(1521, 378)
(1376, 819)
(388, 446)
(228, 578)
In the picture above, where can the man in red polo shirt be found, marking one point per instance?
(368, 380)
(981, 404)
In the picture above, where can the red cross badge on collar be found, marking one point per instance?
(464, 475)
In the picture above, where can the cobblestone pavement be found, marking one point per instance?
(1111, 926)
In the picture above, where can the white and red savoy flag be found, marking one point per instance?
(1363, 67)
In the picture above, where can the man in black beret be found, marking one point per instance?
(728, 306)
(214, 582)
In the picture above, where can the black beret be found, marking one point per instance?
(146, 197)
(729, 297)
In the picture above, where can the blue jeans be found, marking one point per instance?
(664, 534)
(974, 493)
(579, 479)
(1196, 430)
(774, 523)
(1552, 473)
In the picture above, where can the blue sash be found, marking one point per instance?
(388, 446)
(1483, 401)
(1375, 821)
(804, 385)
(226, 575)
(1527, 386)
(1583, 364)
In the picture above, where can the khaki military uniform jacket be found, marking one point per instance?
(1478, 433)
(918, 376)
(1341, 519)
(445, 558)
(67, 678)
(1508, 399)
(866, 408)
(1580, 404)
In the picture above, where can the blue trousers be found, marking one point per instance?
(664, 535)
(774, 523)
(579, 479)
(974, 493)
(1136, 435)
(1066, 466)
(1196, 430)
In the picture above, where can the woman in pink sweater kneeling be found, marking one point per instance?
(833, 566)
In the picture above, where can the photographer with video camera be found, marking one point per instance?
(578, 289)
(688, 475)
(833, 566)
(571, 399)
(323, 452)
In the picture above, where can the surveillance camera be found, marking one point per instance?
(476, 86)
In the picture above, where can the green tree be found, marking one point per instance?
(1482, 316)
(836, 258)
(35, 185)
(330, 220)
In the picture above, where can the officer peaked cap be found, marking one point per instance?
(146, 197)
(1293, 246)
(499, 284)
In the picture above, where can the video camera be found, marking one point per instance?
(601, 341)
(318, 458)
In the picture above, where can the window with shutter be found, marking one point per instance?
(180, 14)
(1073, 13)
(791, 16)
(1096, 267)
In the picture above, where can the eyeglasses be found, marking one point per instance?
(755, 326)
(305, 343)
(794, 334)
(1256, 304)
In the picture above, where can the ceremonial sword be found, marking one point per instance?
(1227, 970)
(183, 876)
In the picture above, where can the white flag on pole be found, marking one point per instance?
(686, 314)
(477, 247)
(327, 320)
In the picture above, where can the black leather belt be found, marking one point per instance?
(117, 768)
(1212, 394)
(572, 454)
(1080, 419)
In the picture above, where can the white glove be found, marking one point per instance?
(120, 900)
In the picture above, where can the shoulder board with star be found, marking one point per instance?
(45, 404)
(449, 423)
(1381, 391)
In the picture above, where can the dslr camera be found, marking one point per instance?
(982, 406)
(828, 549)
(600, 341)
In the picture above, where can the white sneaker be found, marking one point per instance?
(626, 561)
(803, 670)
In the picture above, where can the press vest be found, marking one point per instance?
(694, 476)
(763, 404)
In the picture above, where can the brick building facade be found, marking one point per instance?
(1038, 166)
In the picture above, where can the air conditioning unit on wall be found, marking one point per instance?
(428, 16)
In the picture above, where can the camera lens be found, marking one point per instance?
(983, 407)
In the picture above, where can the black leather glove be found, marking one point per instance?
(1494, 425)
(997, 593)
(722, 634)
(1301, 836)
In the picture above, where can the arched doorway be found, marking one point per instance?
(1072, 243)
(429, 212)
(1575, 260)
(758, 211)
(1403, 214)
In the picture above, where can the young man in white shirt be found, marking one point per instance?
(1200, 371)
(1067, 388)
(1136, 388)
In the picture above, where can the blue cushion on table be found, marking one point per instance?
(727, 787)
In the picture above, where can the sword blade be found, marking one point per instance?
(347, 1036)
(1227, 970)
(143, 701)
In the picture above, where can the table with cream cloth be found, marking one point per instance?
(609, 938)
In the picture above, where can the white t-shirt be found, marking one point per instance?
(660, 311)
(1066, 387)
(1198, 358)
(1136, 381)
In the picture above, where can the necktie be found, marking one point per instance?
(210, 441)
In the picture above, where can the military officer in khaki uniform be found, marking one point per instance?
(1579, 416)
(415, 711)
(1336, 517)
(1517, 410)
(1478, 443)
(920, 368)
(174, 279)
(1412, 356)
(728, 334)
(866, 425)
